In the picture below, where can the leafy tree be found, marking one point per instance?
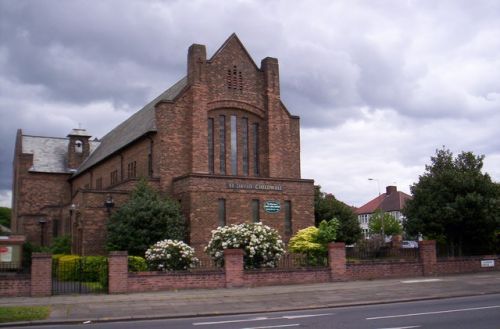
(455, 204)
(327, 207)
(5, 215)
(385, 224)
(145, 219)
(313, 241)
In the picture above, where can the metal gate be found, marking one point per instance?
(79, 275)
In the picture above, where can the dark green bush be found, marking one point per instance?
(95, 269)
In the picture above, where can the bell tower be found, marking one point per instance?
(78, 147)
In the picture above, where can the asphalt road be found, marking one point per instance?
(478, 312)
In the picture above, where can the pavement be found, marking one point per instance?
(206, 302)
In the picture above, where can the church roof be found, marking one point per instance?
(49, 153)
(139, 124)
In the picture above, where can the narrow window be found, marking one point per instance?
(255, 143)
(288, 217)
(222, 212)
(234, 145)
(244, 134)
(78, 146)
(55, 228)
(98, 183)
(150, 165)
(222, 139)
(255, 210)
(211, 145)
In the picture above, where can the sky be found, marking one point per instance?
(379, 85)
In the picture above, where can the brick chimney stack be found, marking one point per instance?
(390, 189)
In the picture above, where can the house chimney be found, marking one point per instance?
(390, 189)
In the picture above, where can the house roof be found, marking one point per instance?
(139, 124)
(49, 153)
(392, 200)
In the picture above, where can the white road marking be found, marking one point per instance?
(279, 326)
(402, 327)
(437, 312)
(287, 317)
(232, 321)
(422, 280)
(290, 317)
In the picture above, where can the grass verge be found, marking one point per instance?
(23, 313)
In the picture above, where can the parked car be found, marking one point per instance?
(409, 244)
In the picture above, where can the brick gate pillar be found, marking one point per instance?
(336, 261)
(233, 266)
(118, 272)
(427, 254)
(41, 274)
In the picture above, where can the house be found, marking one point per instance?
(392, 202)
(220, 141)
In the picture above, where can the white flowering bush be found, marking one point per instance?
(170, 255)
(261, 244)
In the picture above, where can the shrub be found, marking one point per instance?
(313, 241)
(145, 219)
(170, 255)
(68, 268)
(61, 245)
(95, 269)
(137, 264)
(261, 244)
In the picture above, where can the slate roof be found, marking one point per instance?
(393, 200)
(131, 129)
(49, 153)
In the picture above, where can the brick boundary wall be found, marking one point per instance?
(15, 285)
(383, 270)
(160, 281)
(465, 265)
(118, 272)
(39, 283)
(41, 274)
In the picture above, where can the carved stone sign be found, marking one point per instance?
(249, 186)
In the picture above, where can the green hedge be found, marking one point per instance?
(137, 264)
(77, 268)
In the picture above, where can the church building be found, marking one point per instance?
(220, 141)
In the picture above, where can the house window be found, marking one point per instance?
(288, 217)
(222, 212)
(222, 141)
(234, 145)
(114, 177)
(132, 169)
(211, 145)
(150, 165)
(255, 142)
(244, 135)
(255, 210)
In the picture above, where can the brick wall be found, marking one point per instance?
(383, 270)
(41, 274)
(255, 278)
(16, 285)
(158, 281)
(465, 265)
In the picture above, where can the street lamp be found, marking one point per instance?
(109, 203)
(378, 183)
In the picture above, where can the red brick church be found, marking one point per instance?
(219, 140)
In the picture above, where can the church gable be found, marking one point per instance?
(233, 74)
